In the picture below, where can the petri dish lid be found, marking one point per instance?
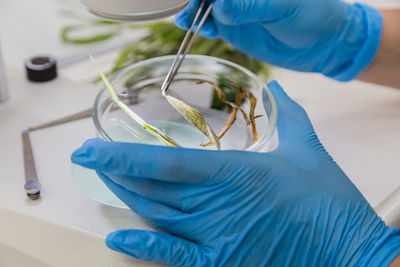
(134, 10)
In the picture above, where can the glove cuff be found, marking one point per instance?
(386, 249)
(359, 43)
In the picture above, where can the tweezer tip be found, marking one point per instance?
(164, 87)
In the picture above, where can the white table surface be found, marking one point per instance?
(358, 123)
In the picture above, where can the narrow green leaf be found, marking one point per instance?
(66, 31)
(151, 129)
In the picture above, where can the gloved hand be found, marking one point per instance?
(293, 206)
(326, 36)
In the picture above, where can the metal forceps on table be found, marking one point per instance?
(187, 44)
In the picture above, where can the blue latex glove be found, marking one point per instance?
(293, 206)
(326, 36)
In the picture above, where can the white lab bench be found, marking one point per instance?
(358, 123)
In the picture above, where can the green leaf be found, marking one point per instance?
(66, 32)
(149, 128)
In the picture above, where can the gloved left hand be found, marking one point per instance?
(293, 206)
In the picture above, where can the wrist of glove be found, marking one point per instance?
(352, 51)
(385, 249)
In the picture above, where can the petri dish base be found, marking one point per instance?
(89, 183)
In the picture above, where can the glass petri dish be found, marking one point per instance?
(139, 87)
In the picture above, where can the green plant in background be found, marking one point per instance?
(164, 38)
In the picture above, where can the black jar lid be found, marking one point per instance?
(41, 68)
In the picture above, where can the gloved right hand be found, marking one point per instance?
(326, 36)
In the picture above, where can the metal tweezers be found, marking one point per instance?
(187, 44)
